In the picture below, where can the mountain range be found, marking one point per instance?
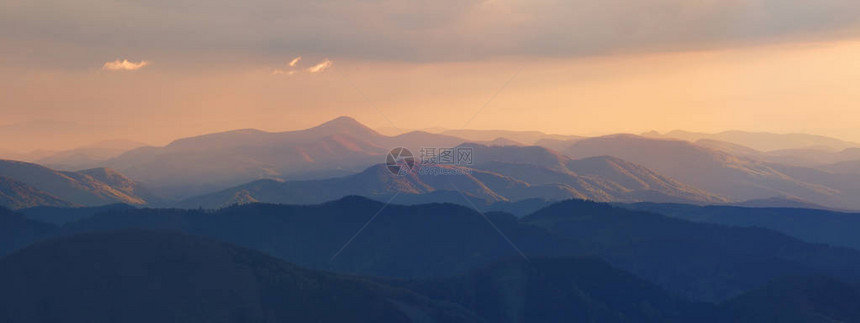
(696, 260)
(337, 159)
(208, 163)
(762, 141)
(447, 253)
(138, 276)
(499, 174)
(738, 178)
(98, 277)
(27, 185)
(17, 195)
(89, 156)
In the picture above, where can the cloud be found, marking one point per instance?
(420, 30)
(278, 71)
(321, 67)
(295, 61)
(124, 65)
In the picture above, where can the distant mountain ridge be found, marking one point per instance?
(762, 141)
(212, 162)
(92, 187)
(89, 156)
(736, 177)
(507, 173)
(523, 137)
(18, 195)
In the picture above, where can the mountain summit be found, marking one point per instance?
(345, 125)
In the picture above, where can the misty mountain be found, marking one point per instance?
(499, 174)
(734, 149)
(846, 167)
(89, 156)
(209, 163)
(501, 141)
(602, 178)
(820, 157)
(138, 276)
(523, 137)
(812, 157)
(92, 187)
(738, 178)
(375, 182)
(699, 261)
(17, 195)
(761, 141)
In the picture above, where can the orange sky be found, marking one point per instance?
(807, 87)
(72, 74)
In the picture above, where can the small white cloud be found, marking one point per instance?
(295, 61)
(124, 65)
(322, 66)
(282, 72)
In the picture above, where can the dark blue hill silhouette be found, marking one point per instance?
(139, 276)
(797, 299)
(699, 261)
(159, 276)
(17, 231)
(63, 215)
(430, 240)
(811, 225)
(558, 290)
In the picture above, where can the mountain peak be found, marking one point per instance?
(344, 124)
(342, 121)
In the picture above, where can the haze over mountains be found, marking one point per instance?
(336, 159)
(503, 174)
(640, 262)
(207, 163)
(738, 178)
(28, 183)
(762, 141)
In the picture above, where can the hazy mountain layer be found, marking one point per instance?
(739, 178)
(90, 156)
(762, 141)
(209, 163)
(523, 137)
(17, 195)
(498, 174)
(91, 187)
